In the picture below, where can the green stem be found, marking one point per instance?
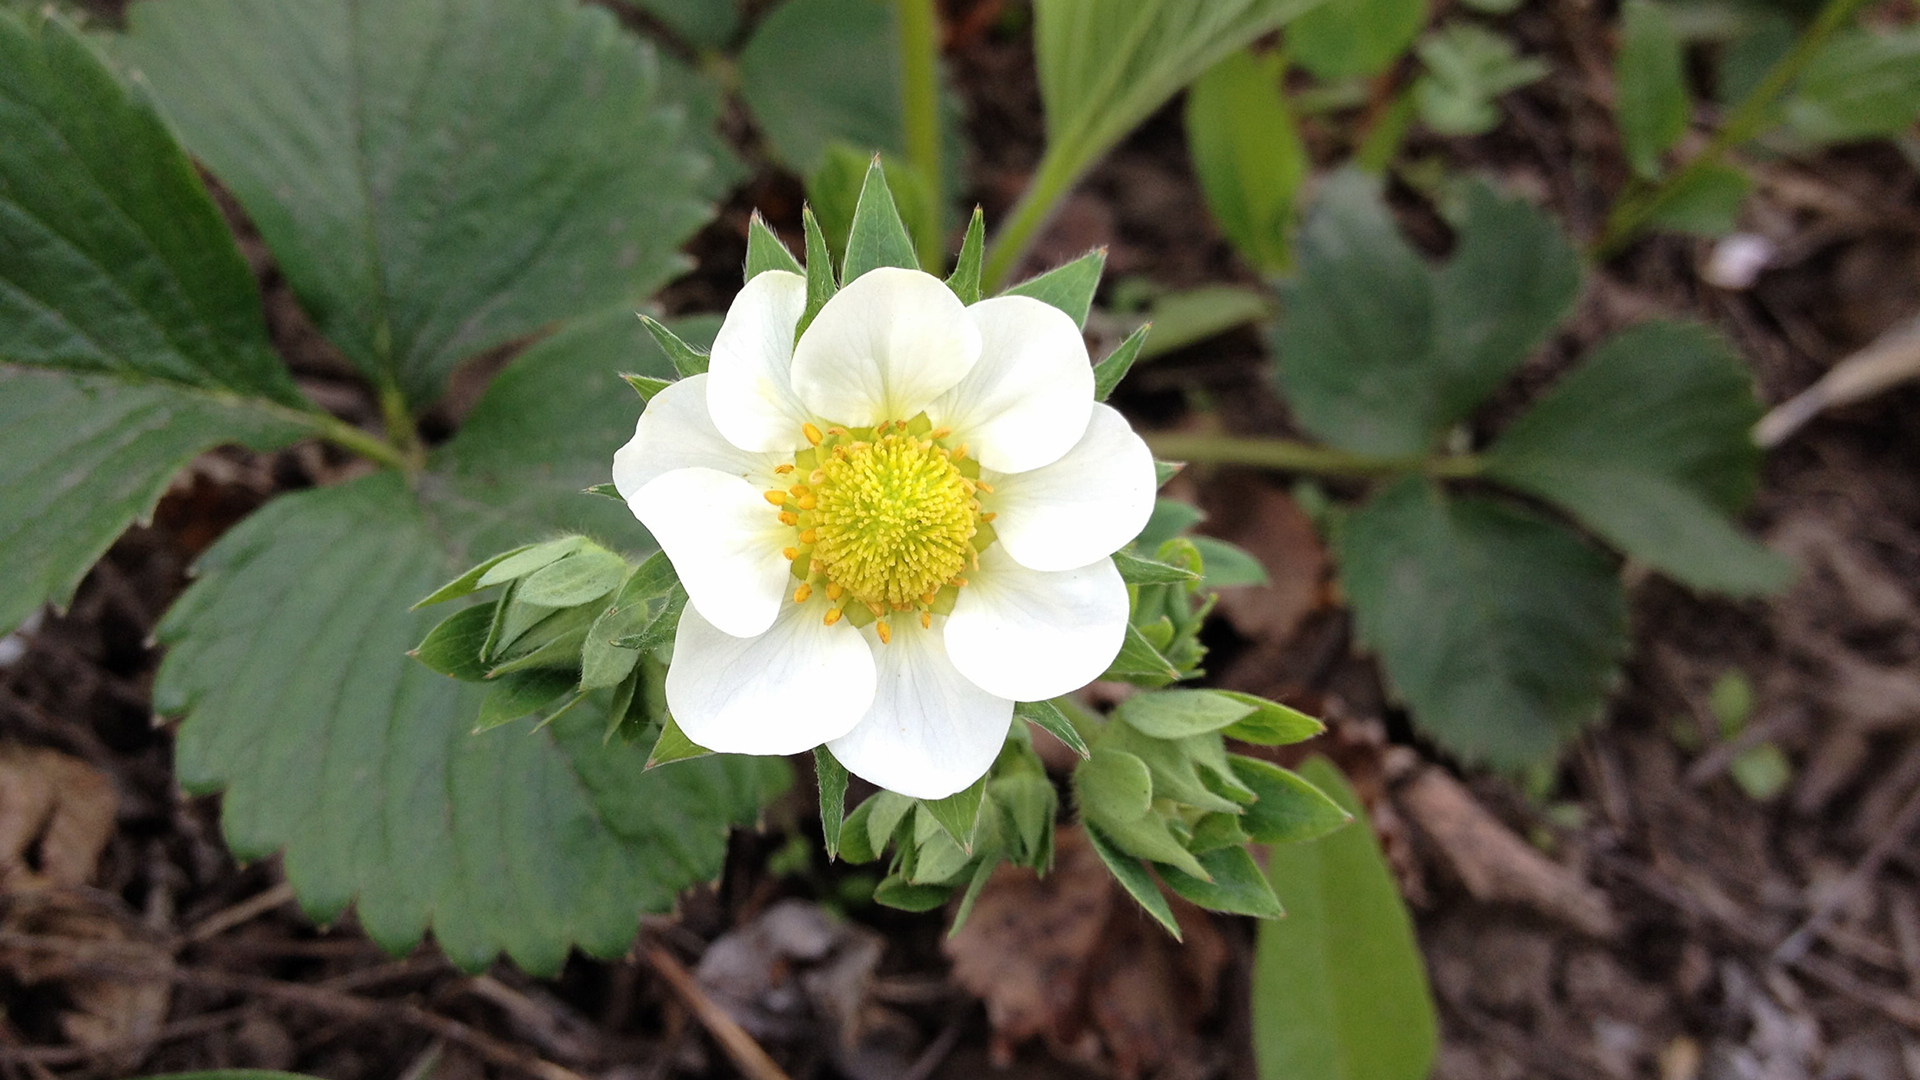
(347, 437)
(919, 26)
(1289, 456)
(402, 435)
(1051, 182)
(1746, 120)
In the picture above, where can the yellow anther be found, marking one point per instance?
(776, 497)
(790, 554)
(808, 502)
(989, 516)
(836, 431)
(788, 517)
(797, 490)
(833, 616)
(926, 598)
(926, 620)
(812, 433)
(885, 632)
(960, 452)
(784, 469)
(941, 432)
(983, 486)
(835, 591)
(800, 594)
(958, 583)
(809, 536)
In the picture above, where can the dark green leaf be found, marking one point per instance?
(1862, 84)
(1050, 719)
(705, 24)
(1237, 888)
(959, 814)
(588, 574)
(833, 796)
(1339, 992)
(1132, 875)
(1226, 565)
(965, 280)
(905, 896)
(687, 360)
(1139, 571)
(1501, 631)
(1468, 67)
(511, 697)
(1176, 714)
(1108, 372)
(1069, 287)
(1247, 152)
(1355, 38)
(878, 237)
(1652, 107)
(1272, 724)
(1290, 810)
(765, 251)
(1647, 443)
(424, 206)
(453, 647)
(1704, 201)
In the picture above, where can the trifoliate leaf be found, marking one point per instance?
(1502, 631)
(1069, 287)
(423, 206)
(1468, 67)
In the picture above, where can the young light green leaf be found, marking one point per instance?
(1138, 571)
(765, 251)
(1649, 70)
(468, 583)
(524, 560)
(1356, 38)
(1114, 791)
(660, 631)
(1290, 810)
(1339, 992)
(1069, 287)
(1108, 372)
(1704, 201)
(820, 282)
(1177, 714)
(1247, 152)
(832, 777)
(1226, 565)
(1271, 723)
(878, 237)
(1132, 875)
(453, 647)
(687, 360)
(1468, 67)
(965, 279)
(522, 693)
(674, 746)
(1238, 887)
(1500, 630)
(587, 574)
(425, 212)
(1190, 316)
(1655, 472)
(1054, 722)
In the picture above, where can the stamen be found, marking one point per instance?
(833, 616)
(885, 632)
(790, 554)
(983, 486)
(809, 536)
(812, 433)
(989, 515)
(808, 502)
(783, 469)
(776, 497)
(834, 590)
(940, 433)
(797, 491)
(788, 517)
(926, 620)
(800, 594)
(960, 452)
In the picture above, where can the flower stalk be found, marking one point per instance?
(919, 27)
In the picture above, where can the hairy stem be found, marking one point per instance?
(919, 26)
(1638, 207)
(1290, 456)
(1051, 182)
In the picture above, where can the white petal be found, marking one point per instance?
(1029, 635)
(931, 732)
(724, 541)
(676, 432)
(1087, 505)
(883, 348)
(1027, 401)
(788, 690)
(750, 384)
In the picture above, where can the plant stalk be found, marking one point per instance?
(1746, 120)
(402, 436)
(1289, 456)
(1049, 185)
(919, 26)
(347, 437)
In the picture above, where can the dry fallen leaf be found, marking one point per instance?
(56, 814)
(1068, 958)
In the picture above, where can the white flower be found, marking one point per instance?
(890, 531)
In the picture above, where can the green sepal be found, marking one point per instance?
(1238, 887)
(580, 578)
(937, 858)
(820, 283)
(1108, 373)
(660, 631)
(553, 641)
(523, 561)
(1271, 723)
(1289, 810)
(687, 360)
(468, 583)
(1135, 570)
(1140, 660)
(902, 895)
(673, 745)
(603, 663)
(607, 490)
(453, 647)
(982, 872)
(765, 251)
(1177, 714)
(878, 237)
(1069, 287)
(1132, 875)
(965, 279)
(959, 813)
(1054, 722)
(647, 386)
(833, 797)
(1164, 471)
(520, 694)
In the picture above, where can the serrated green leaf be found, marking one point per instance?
(1704, 201)
(1069, 286)
(1247, 152)
(765, 251)
(453, 647)
(1339, 991)
(1289, 809)
(1271, 724)
(1647, 444)
(1051, 720)
(1500, 630)
(424, 207)
(832, 777)
(1468, 67)
(965, 279)
(585, 575)
(1138, 571)
(1132, 875)
(1228, 566)
(687, 359)
(1108, 372)
(1652, 106)
(1356, 38)
(959, 813)
(1177, 714)
(521, 694)
(1238, 887)
(877, 236)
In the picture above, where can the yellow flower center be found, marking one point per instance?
(885, 520)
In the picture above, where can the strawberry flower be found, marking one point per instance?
(889, 530)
